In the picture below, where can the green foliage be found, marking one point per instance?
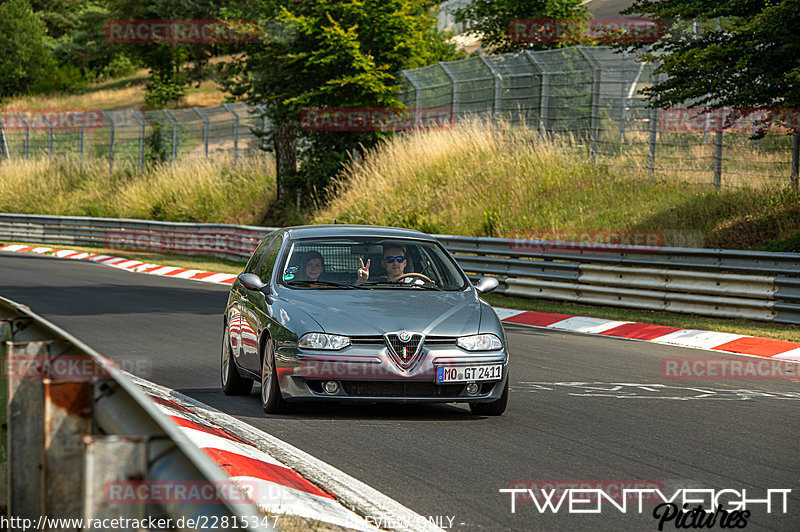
(744, 55)
(24, 59)
(158, 149)
(331, 54)
(492, 18)
(170, 63)
(60, 16)
(163, 91)
(85, 47)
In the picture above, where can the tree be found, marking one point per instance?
(172, 66)
(491, 18)
(746, 54)
(328, 54)
(25, 61)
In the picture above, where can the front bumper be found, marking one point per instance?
(367, 373)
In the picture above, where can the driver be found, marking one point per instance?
(393, 261)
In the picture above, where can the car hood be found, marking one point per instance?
(375, 312)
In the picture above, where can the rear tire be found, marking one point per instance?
(232, 382)
(271, 399)
(493, 408)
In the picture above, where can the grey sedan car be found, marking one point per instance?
(353, 313)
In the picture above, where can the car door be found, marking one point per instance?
(238, 297)
(255, 308)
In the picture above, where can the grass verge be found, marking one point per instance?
(120, 93)
(766, 330)
(494, 180)
(198, 190)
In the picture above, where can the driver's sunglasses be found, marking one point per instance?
(392, 259)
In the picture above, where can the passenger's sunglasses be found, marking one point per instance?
(392, 259)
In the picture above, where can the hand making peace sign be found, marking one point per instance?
(363, 270)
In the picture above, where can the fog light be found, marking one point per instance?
(331, 387)
(472, 388)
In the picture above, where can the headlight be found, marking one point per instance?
(323, 341)
(480, 342)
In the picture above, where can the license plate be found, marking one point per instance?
(469, 373)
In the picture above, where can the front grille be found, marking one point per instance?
(400, 389)
(404, 353)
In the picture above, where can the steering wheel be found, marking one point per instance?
(415, 274)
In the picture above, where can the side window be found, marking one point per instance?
(255, 258)
(265, 269)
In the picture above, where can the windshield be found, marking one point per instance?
(369, 263)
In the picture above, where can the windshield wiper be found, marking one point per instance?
(400, 285)
(322, 283)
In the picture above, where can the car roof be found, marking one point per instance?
(347, 230)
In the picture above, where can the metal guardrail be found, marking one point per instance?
(76, 425)
(228, 241)
(710, 282)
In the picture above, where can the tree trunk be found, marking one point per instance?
(285, 140)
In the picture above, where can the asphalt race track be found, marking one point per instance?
(440, 460)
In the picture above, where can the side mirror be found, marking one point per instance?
(486, 285)
(251, 281)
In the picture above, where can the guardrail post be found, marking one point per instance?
(228, 108)
(25, 433)
(718, 158)
(174, 133)
(67, 417)
(113, 459)
(795, 160)
(142, 124)
(27, 133)
(110, 142)
(5, 335)
(206, 127)
(50, 137)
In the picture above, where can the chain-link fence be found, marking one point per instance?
(132, 137)
(589, 93)
(592, 94)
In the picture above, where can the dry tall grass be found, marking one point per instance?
(196, 190)
(120, 93)
(484, 179)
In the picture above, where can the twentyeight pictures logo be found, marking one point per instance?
(682, 508)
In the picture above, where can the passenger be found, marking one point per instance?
(314, 266)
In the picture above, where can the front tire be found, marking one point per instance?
(232, 382)
(493, 408)
(271, 399)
